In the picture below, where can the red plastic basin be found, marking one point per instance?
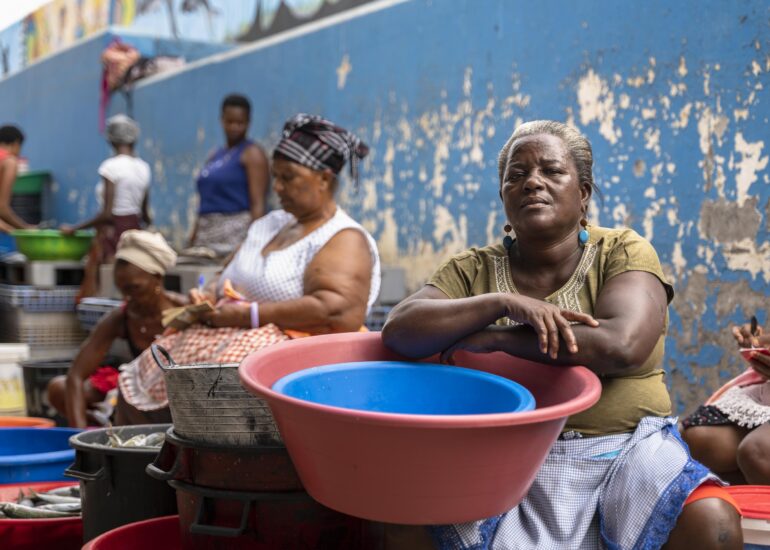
(151, 533)
(754, 500)
(416, 469)
(33, 534)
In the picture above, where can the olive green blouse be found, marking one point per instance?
(625, 398)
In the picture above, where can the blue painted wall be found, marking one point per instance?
(56, 102)
(671, 96)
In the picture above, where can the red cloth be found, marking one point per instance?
(104, 379)
(711, 490)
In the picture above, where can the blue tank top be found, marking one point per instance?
(222, 183)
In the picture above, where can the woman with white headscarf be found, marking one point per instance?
(123, 192)
(141, 261)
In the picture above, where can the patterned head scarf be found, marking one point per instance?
(122, 130)
(318, 144)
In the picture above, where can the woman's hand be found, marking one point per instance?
(760, 363)
(66, 230)
(480, 342)
(745, 339)
(548, 321)
(228, 314)
(199, 296)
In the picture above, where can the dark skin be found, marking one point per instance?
(72, 395)
(544, 202)
(105, 216)
(8, 170)
(737, 454)
(235, 124)
(336, 282)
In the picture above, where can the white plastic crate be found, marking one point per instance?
(91, 310)
(41, 330)
(35, 299)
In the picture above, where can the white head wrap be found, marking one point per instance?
(145, 250)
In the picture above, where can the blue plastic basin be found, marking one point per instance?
(407, 388)
(35, 454)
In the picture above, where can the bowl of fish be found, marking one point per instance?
(110, 464)
(41, 514)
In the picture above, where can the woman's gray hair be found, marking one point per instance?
(577, 144)
(122, 130)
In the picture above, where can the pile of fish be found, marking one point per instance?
(57, 503)
(154, 439)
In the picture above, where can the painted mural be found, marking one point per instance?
(61, 23)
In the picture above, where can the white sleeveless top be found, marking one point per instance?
(280, 275)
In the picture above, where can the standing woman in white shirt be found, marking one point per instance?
(123, 192)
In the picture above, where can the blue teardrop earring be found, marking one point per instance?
(507, 240)
(583, 234)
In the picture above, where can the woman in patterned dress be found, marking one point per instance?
(565, 293)
(730, 433)
(232, 184)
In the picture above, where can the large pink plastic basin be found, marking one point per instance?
(416, 469)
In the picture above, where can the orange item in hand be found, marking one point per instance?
(230, 293)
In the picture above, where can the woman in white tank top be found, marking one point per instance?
(308, 268)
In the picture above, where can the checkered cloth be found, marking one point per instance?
(142, 382)
(320, 145)
(619, 492)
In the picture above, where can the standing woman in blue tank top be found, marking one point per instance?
(232, 185)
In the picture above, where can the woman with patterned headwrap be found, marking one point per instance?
(308, 268)
(123, 192)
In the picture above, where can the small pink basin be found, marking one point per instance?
(416, 469)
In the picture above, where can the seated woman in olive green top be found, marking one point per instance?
(565, 293)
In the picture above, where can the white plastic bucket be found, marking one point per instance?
(12, 400)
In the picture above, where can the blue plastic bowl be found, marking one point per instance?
(35, 454)
(407, 388)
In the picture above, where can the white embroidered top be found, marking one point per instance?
(279, 276)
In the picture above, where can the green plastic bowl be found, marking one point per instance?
(50, 244)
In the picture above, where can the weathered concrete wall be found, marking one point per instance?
(671, 95)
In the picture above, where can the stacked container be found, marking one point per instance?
(12, 402)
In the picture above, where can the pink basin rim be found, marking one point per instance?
(263, 388)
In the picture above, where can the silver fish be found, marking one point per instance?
(140, 440)
(25, 512)
(53, 499)
(71, 491)
(69, 507)
(155, 439)
(114, 440)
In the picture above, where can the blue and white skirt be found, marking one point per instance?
(620, 492)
